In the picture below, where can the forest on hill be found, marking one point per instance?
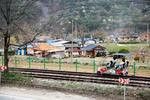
(108, 16)
(91, 15)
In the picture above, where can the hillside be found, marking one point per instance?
(91, 15)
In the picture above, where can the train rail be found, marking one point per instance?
(135, 81)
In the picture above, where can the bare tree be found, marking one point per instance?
(100, 34)
(13, 14)
(143, 51)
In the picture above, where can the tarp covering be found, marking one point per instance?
(121, 54)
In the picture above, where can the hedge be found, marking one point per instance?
(11, 52)
(129, 42)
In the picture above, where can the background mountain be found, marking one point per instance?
(109, 16)
(90, 15)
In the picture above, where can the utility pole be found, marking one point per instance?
(76, 30)
(72, 45)
(82, 38)
(147, 34)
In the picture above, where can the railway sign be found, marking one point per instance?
(3, 67)
(124, 81)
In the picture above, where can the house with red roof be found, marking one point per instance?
(46, 50)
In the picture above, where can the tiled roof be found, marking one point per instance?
(91, 47)
(44, 47)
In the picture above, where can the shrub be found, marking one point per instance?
(98, 54)
(137, 58)
(101, 42)
(112, 52)
(129, 42)
(103, 54)
(11, 52)
(0, 53)
(110, 41)
(123, 50)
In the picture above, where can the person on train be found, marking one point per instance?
(121, 65)
(112, 63)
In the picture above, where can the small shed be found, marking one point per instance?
(21, 51)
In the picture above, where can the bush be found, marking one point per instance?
(137, 58)
(98, 54)
(11, 52)
(110, 41)
(129, 42)
(0, 53)
(103, 54)
(112, 52)
(101, 42)
(123, 50)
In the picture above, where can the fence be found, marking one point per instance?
(65, 64)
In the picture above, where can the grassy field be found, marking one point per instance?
(85, 64)
(130, 47)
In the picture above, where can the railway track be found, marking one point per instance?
(135, 81)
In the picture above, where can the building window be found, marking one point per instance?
(127, 38)
(122, 38)
(145, 36)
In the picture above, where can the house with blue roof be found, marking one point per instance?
(94, 49)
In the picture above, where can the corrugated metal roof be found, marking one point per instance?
(124, 54)
(91, 47)
(57, 44)
(85, 39)
(61, 42)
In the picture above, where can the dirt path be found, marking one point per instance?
(39, 94)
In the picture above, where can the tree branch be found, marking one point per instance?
(15, 17)
(3, 13)
(38, 32)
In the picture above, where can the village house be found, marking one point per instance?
(86, 41)
(128, 38)
(46, 50)
(93, 50)
(144, 36)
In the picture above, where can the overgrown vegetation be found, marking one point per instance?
(14, 76)
(130, 42)
(11, 52)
